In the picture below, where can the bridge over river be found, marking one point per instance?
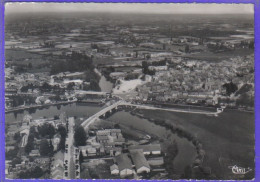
(115, 105)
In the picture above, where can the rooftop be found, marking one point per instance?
(123, 162)
(146, 148)
(139, 159)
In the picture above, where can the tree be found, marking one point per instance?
(24, 89)
(230, 87)
(187, 48)
(45, 148)
(37, 172)
(46, 87)
(172, 151)
(16, 161)
(80, 136)
(70, 86)
(46, 129)
(117, 126)
(57, 97)
(245, 100)
(51, 147)
(145, 67)
(56, 117)
(94, 86)
(251, 45)
(30, 65)
(80, 157)
(11, 154)
(30, 144)
(17, 136)
(148, 56)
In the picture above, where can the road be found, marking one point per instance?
(93, 118)
(69, 151)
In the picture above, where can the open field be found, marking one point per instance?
(210, 56)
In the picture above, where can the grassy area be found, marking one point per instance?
(228, 139)
(24, 58)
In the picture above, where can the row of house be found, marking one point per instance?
(140, 159)
(106, 142)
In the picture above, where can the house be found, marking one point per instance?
(57, 166)
(56, 141)
(88, 150)
(115, 132)
(9, 147)
(57, 163)
(140, 162)
(102, 138)
(155, 161)
(42, 160)
(154, 149)
(119, 140)
(57, 173)
(34, 153)
(114, 169)
(124, 165)
(27, 118)
(12, 129)
(24, 131)
(117, 75)
(103, 132)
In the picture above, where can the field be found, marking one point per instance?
(215, 57)
(24, 58)
(227, 139)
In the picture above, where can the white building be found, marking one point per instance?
(154, 149)
(140, 162)
(114, 169)
(124, 165)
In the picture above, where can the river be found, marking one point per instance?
(186, 152)
(227, 139)
(105, 86)
(74, 109)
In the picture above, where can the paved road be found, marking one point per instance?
(70, 150)
(93, 118)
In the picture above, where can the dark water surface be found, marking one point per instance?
(227, 139)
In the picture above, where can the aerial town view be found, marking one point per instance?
(129, 91)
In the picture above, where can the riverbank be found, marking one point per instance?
(37, 106)
(175, 162)
(195, 107)
(182, 133)
(227, 139)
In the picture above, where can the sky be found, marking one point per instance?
(151, 8)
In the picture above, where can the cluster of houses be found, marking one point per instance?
(23, 130)
(57, 167)
(108, 142)
(11, 172)
(196, 81)
(139, 159)
(128, 160)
